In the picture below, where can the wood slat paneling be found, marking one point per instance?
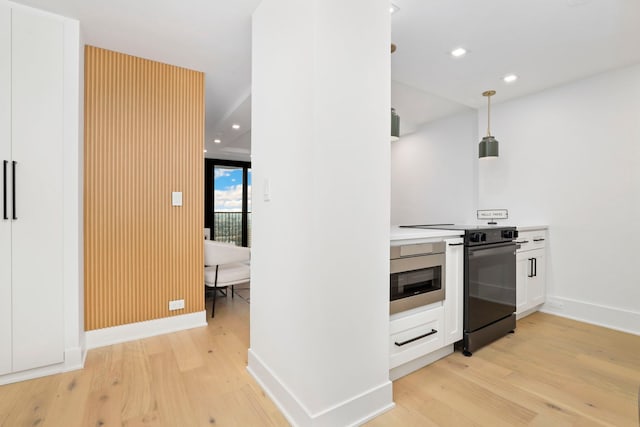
(144, 136)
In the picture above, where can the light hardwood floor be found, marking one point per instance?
(551, 372)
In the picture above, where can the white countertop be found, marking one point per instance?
(418, 235)
(398, 233)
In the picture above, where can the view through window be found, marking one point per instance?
(232, 204)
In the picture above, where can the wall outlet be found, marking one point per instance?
(554, 304)
(177, 304)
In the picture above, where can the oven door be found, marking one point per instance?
(416, 281)
(490, 284)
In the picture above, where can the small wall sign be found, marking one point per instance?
(491, 214)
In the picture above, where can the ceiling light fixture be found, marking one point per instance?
(205, 150)
(510, 78)
(395, 125)
(393, 9)
(217, 141)
(488, 147)
(235, 126)
(458, 52)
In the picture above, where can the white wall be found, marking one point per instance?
(569, 158)
(319, 288)
(433, 172)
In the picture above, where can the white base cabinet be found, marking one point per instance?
(34, 136)
(530, 272)
(423, 335)
(453, 303)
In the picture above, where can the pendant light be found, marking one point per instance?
(395, 125)
(395, 118)
(488, 147)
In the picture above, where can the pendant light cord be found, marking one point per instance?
(489, 116)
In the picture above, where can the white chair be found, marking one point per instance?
(225, 264)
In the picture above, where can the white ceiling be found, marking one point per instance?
(545, 42)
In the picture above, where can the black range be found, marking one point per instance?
(489, 282)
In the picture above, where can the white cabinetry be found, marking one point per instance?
(530, 272)
(32, 145)
(415, 335)
(454, 291)
(423, 335)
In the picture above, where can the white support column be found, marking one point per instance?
(320, 261)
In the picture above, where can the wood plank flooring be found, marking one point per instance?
(551, 372)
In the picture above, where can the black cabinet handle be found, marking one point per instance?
(13, 189)
(530, 274)
(538, 240)
(400, 344)
(456, 244)
(524, 241)
(4, 189)
(535, 267)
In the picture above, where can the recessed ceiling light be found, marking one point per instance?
(458, 52)
(217, 141)
(393, 9)
(235, 126)
(510, 78)
(205, 150)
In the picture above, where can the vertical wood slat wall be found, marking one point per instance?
(144, 136)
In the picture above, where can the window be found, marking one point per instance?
(228, 201)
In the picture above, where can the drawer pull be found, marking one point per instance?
(523, 241)
(456, 244)
(400, 344)
(538, 240)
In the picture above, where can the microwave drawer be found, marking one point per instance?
(416, 335)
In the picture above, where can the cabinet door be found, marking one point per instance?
(536, 286)
(522, 272)
(5, 156)
(454, 283)
(37, 143)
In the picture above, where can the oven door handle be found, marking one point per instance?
(400, 344)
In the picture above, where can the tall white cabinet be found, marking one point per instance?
(39, 277)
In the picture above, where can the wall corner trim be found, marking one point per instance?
(148, 328)
(351, 412)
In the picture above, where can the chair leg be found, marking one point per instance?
(215, 291)
(213, 306)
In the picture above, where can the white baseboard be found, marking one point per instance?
(139, 330)
(74, 358)
(37, 373)
(596, 314)
(351, 412)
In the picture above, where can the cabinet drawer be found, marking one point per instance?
(416, 335)
(528, 240)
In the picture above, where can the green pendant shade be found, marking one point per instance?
(488, 147)
(395, 125)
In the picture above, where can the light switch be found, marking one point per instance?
(176, 198)
(267, 190)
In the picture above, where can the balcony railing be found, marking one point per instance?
(227, 227)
